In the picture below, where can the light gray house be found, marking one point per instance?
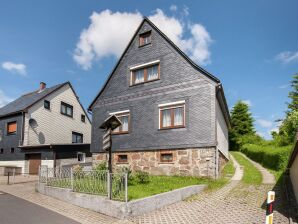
(48, 126)
(174, 113)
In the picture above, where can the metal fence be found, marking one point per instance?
(86, 180)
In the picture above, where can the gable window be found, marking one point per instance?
(77, 137)
(145, 73)
(166, 157)
(12, 150)
(12, 128)
(83, 118)
(1, 151)
(66, 109)
(47, 104)
(172, 115)
(122, 158)
(81, 157)
(124, 117)
(145, 38)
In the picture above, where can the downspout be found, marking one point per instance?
(216, 147)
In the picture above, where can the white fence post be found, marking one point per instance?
(47, 174)
(108, 184)
(71, 178)
(38, 178)
(126, 193)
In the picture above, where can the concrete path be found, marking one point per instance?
(268, 178)
(234, 203)
(238, 169)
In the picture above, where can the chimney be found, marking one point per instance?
(42, 86)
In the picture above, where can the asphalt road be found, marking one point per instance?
(14, 210)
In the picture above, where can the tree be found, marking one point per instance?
(241, 125)
(293, 95)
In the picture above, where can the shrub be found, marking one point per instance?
(141, 177)
(78, 171)
(126, 169)
(270, 156)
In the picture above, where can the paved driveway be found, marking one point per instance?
(14, 210)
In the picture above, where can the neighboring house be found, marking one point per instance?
(45, 127)
(174, 114)
(293, 168)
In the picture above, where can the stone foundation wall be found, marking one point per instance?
(188, 162)
(222, 160)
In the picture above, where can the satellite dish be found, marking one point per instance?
(32, 123)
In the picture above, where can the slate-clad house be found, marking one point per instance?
(48, 126)
(174, 114)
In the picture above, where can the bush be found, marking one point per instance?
(270, 156)
(126, 169)
(78, 171)
(141, 177)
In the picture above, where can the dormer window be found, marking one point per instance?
(145, 38)
(145, 73)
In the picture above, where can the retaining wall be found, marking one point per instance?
(119, 209)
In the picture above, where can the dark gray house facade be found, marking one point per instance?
(174, 115)
(34, 130)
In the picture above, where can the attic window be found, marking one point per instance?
(145, 38)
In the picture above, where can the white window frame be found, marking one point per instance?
(84, 157)
(171, 105)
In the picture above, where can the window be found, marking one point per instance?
(1, 135)
(83, 118)
(47, 104)
(12, 150)
(145, 38)
(125, 120)
(66, 109)
(166, 157)
(81, 157)
(77, 137)
(1, 151)
(12, 128)
(145, 74)
(122, 158)
(172, 116)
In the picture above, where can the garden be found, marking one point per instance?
(126, 185)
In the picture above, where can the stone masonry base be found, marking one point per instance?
(188, 162)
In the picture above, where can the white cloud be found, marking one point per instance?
(103, 37)
(4, 99)
(13, 67)
(264, 123)
(284, 86)
(287, 57)
(247, 102)
(173, 8)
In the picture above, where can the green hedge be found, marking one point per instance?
(269, 156)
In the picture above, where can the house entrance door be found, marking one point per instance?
(34, 162)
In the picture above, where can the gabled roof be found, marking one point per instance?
(27, 100)
(197, 67)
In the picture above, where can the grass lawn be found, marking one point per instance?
(251, 174)
(160, 184)
(156, 185)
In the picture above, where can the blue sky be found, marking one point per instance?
(251, 46)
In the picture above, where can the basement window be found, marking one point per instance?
(122, 158)
(166, 157)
